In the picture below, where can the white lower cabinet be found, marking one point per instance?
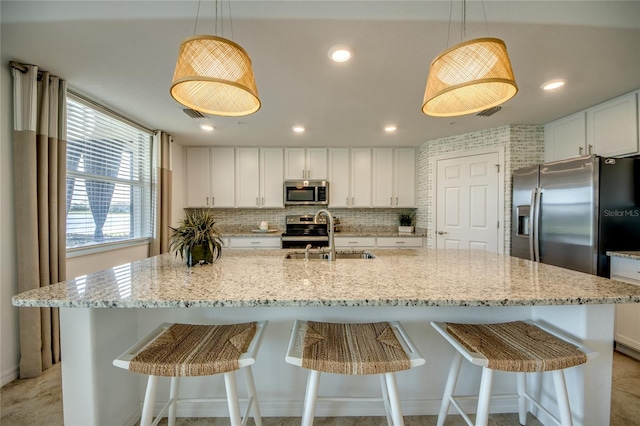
(254, 242)
(627, 328)
(400, 242)
(360, 242)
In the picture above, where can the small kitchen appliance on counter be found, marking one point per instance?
(301, 230)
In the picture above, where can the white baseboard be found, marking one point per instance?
(627, 351)
(9, 375)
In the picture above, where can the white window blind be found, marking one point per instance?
(109, 181)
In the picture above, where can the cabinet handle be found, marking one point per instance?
(255, 242)
(353, 200)
(590, 148)
(304, 174)
(396, 201)
(263, 201)
(391, 200)
(347, 201)
(207, 201)
(580, 149)
(257, 201)
(352, 242)
(213, 201)
(399, 242)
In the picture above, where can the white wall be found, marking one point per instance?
(9, 343)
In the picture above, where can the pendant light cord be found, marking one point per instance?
(484, 12)
(449, 27)
(197, 15)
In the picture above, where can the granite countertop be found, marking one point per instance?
(635, 255)
(257, 278)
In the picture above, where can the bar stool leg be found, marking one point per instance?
(253, 395)
(232, 398)
(173, 397)
(522, 401)
(149, 401)
(394, 400)
(385, 398)
(482, 414)
(310, 398)
(562, 397)
(449, 388)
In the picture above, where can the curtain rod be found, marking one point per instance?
(20, 67)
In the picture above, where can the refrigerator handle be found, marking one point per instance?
(531, 219)
(536, 224)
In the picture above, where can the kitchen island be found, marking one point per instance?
(412, 286)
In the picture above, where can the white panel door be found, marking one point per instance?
(467, 203)
(405, 177)
(316, 163)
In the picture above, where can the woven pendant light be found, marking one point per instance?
(214, 75)
(469, 77)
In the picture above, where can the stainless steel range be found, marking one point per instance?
(301, 230)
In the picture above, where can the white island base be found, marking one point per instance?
(97, 393)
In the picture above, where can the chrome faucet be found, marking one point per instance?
(306, 251)
(332, 246)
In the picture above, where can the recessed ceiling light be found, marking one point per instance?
(207, 127)
(340, 53)
(390, 128)
(553, 85)
(298, 129)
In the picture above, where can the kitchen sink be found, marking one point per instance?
(349, 254)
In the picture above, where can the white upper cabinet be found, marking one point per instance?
(271, 177)
(393, 177)
(222, 177)
(305, 163)
(566, 137)
(248, 177)
(612, 127)
(383, 194)
(404, 176)
(339, 172)
(609, 129)
(361, 177)
(198, 179)
(259, 177)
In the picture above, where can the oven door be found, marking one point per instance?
(289, 242)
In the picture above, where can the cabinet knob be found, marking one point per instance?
(442, 232)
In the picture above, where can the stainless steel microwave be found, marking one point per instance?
(306, 192)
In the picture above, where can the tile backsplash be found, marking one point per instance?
(276, 217)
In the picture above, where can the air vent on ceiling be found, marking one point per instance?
(489, 112)
(193, 113)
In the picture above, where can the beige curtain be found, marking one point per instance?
(39, 144)
(162, 179)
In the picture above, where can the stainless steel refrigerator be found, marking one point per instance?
(570, 213)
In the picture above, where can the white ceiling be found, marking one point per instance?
(123, 53)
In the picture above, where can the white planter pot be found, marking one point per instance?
(408, 229)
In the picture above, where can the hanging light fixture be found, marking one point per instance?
(469, 77)
(214, 75)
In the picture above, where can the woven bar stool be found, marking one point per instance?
(354, 349)
(519, 347)
(187, 350)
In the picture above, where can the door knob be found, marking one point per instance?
(441, 232)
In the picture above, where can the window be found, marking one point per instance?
(109, 181)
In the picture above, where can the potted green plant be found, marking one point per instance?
(407, 221)
(195, 239)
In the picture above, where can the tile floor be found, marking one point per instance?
(38, 402)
